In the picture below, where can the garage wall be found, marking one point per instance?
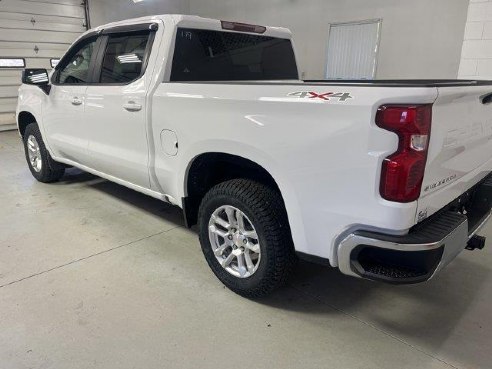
(419, 39)
(105, 11)
(476, 57)
(36, 30)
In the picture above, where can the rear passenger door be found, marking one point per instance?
(115, 111)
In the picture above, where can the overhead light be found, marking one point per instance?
(128, 59)
(38, 78)
(137, 1)
(12, 63)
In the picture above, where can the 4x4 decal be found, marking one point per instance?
(327, 96)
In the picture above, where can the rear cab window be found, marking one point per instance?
(205, 55)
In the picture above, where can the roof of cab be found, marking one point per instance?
(188, 21)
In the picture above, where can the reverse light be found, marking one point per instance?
(403, 171)
(419, 142)
(243, 27)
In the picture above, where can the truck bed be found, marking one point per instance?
(435, 83)
(402, 82)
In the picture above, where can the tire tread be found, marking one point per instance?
(52, 171)
(269, 211)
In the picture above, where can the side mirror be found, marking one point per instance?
(37, 77)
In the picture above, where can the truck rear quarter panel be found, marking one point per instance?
(324, 152)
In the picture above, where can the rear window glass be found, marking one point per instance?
(204, 55)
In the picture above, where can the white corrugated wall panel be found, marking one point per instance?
(353, 50)
(36, 30)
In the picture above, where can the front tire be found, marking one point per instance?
(39, 160)
(245, 237)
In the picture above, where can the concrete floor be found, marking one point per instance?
(93, 275)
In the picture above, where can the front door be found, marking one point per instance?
(115, 110)
(63, 115)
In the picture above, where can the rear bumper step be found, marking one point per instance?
(426, 249)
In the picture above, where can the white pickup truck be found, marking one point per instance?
(386, 180)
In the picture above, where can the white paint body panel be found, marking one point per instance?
(123, 135)
(325, 156)
(460, 147)
(64, 123)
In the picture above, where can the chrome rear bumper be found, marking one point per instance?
(424, 251)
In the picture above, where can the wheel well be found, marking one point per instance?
(25, 118)
(208, 170)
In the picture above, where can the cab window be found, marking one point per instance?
(76, 69)
(124, 58)
(205, 55)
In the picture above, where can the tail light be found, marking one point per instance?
(403, 171)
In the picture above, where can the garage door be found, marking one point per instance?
(34, 34)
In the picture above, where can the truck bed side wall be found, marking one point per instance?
(325, 155)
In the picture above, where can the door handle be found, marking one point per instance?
(132, 106)
(76, 101)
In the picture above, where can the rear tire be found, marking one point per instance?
(39, 160)
(263, 233)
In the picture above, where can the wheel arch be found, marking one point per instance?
(211, 168)
(207, 169)
(24, 118)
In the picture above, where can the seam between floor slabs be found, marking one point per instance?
(87, 257)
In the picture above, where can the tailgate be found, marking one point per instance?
(460, 149)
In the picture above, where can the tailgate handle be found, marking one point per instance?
(486, 99)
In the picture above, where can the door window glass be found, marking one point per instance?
(124, 58)
(76, 70)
